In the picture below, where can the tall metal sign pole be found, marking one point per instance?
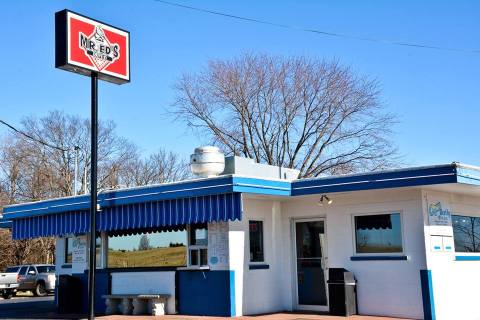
(100, 51)
(93, 196)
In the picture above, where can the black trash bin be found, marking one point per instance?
(342, 292)
(69, 294)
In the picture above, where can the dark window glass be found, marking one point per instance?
(23, 271)
(68, 249)
(199, 235)
(466, 233)
(256, 241)
(203, 257)
(46, 269)
(162, 249)
(194, 257)
(98, 252)
(381, 233)
(11, 270)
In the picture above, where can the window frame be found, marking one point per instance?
(262, 220)
(373, 254)
(461, 253)
(197, 248)
(105, 260)
(65, 251)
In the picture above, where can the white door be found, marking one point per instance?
(310, 265)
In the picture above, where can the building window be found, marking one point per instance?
(466, 233)
(98, 252)
(256, 241)
(380, 233)
(198, 244)
(161, 249)
(68, 250)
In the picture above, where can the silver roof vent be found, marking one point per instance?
(207, 161)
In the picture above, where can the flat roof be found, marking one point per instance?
(406, 177)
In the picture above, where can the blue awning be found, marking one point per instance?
(165, 214)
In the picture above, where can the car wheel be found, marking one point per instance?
(7, 295)
(40, 290)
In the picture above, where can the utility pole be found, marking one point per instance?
(76, 149)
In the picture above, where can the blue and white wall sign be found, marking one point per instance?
(438, 214)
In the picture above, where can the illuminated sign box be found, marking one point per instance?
(84, 45)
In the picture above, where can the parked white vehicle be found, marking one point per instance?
(37, 278)
(9, 282)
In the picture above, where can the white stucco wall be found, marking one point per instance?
(384, 287)
(455, 283)
(262, 287)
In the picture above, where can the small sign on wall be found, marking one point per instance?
(218, 257)
(79, 250)
(438, 214)
(448, 245)
(441, 244)
(436, 244)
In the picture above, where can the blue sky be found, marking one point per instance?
(434, 93)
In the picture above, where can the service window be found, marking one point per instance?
(379, 233)
(198, 244)
(256, 241)
(157, 249)
(68, 250)
(466, 233)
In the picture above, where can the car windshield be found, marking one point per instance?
(45, 269)
(11, 269)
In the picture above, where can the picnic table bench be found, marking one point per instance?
(136, 304)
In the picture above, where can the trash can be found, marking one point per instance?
(342, 292)
(69, 294)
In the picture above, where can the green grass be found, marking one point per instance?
(158, 257)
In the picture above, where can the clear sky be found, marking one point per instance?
(434, 93)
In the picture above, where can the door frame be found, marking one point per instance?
(296, 305)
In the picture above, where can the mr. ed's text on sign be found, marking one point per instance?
(84, 45)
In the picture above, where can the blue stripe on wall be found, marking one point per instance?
(233, 311)
(467, 258)
(427, 295)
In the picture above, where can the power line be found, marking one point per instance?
(321, 32)
(32, 138)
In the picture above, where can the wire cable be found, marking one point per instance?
(321, 32)
(32, 138)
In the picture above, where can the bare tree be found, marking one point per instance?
(317, 116)
(30, 171)
(159, 167)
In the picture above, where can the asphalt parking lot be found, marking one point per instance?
(27, 307)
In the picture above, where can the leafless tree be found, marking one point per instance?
(159, 167)
(30, 171)
(314, 115)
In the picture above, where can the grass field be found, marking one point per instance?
(157, 257)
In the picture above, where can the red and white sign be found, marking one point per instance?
(84, 45)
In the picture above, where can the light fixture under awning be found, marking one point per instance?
(162, 215)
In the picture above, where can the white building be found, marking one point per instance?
(256, 240)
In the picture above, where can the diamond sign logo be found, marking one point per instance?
(86, 46)
(98, 49)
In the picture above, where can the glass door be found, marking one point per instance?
(310, 265)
